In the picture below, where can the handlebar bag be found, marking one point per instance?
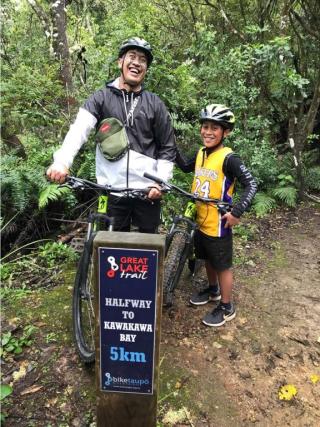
(112, 139)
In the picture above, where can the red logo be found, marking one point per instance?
(105, 128)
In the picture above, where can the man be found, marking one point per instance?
(149, 132)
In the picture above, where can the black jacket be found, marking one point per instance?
(150, 132)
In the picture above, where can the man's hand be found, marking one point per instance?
(57, 173)
(230, 220)
(155, 192)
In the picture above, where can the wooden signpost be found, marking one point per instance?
(128, 290)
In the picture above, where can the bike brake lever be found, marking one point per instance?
(223, 209)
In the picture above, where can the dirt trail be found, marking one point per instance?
(234, 372)
(209, 377)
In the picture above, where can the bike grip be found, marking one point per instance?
(153, 178)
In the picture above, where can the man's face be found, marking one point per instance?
(212, 133)
(134, 66)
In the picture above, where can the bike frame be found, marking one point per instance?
(185, 226)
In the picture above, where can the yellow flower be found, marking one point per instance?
(287, 392)
(314, 378)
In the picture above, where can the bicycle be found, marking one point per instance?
(179, 240)
(83, 293)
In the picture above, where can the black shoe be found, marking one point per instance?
(209, 294)
(219, 316)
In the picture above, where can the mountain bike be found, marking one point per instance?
(180, 238)
(83, 315)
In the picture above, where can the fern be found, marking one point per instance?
(51, 193)
(313, 178)
(287, 195)
(263, 204)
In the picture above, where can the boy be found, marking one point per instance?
(216, 169)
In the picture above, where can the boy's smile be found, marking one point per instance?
(212, 133)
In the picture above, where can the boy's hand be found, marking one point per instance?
(230, 220)
(57, 173)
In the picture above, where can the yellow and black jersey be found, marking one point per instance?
(232, 169)
(211, 181)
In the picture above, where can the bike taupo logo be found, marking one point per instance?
(128, 267)
(124, 382)
(108, 379)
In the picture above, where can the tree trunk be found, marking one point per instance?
(60, 44)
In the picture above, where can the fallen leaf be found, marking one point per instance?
(32, 389)
(21, 373)
(216, 345)
(40, 324)
(173, 417)
(227, 337)
(51, 402)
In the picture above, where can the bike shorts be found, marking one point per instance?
(126, 212)
(216, 250)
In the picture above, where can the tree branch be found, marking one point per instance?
(227, 19)
(304, 25)
(313, 109)
(45, 21)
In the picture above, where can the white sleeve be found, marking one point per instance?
(164, 169)
(77, 135)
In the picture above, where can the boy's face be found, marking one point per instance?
(212, 133)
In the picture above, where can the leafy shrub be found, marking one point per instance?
(313, 178)
(53, 253)
(263, 204)
(10, 343)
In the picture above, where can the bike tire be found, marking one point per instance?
(173, 266)
(83, 306)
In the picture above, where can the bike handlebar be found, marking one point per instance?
(74, 183)
(185, 193)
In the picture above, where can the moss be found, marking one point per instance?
(50, 308)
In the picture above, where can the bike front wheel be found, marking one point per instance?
(83, 306)
(173, 265)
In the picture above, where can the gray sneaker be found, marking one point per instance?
(219, 316)
(203, 297)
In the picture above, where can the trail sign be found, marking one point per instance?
(128, 298)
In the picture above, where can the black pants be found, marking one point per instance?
(126, 211)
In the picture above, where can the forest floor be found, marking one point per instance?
(209, 377)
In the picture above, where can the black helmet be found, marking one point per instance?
(218, 113)
(137, 43)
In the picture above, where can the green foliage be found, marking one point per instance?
(11, 343)
(52, 192)
(263, 204)
(313, 178)
(18, 276)
(287, 195)
(20, 182)
(5, 391)
(174, 204)
(246, 232)
(264, 72)
(286, 192)
(54, 252)
(8, 292)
